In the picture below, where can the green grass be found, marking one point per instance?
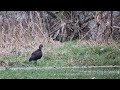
(106, 73)
(70, 53)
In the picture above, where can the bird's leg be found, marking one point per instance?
(35, 63)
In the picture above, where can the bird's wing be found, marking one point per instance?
(37, 53)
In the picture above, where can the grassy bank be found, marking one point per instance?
(72, 53)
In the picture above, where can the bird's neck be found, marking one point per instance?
(40, 49)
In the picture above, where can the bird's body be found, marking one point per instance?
(36, 54)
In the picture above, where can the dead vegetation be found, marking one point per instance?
(23, 31)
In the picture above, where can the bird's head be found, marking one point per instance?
(40, 46)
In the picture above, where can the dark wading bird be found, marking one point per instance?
(36, 54)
